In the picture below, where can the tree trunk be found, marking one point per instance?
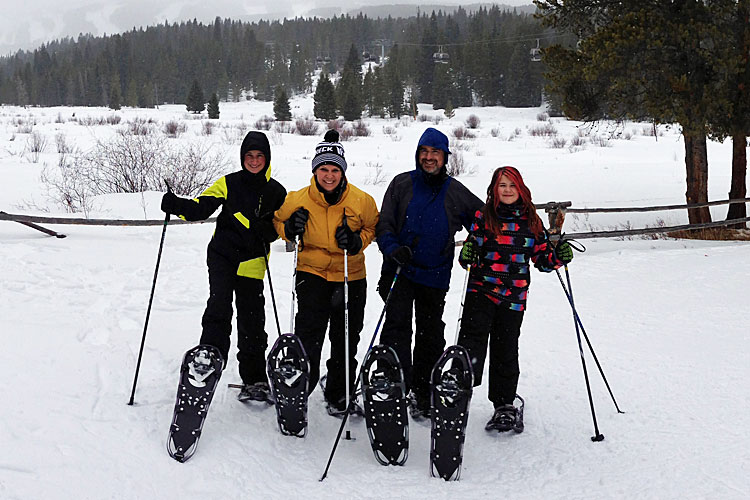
(738, 188)
(696, 163)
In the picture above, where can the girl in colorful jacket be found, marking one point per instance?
(329, 216)
(505, 239)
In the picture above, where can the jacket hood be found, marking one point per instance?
(259, 142)
(435, 139)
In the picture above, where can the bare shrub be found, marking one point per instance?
(306, 126)
(546, 130)
(424, 118)
(62, 143)
(208, 127)
(337, 124)
(174, 129)
(264, 123)
(114, 119)
(136, 163)
(283, 127)
(24, 128)
(360, 129)
(91, 121)
(346, 133)
(542, 117)
(59, 118)
(652, 131)
(601, 141)
(516, 133)
(376, 177)
(577, 140)
(463, 133)
(277, 140)
(232, 135)
(627, 136)
(69, 186)
(139, 126)
(557, 142)
(36, 144)
(389, 130)
(473, 121)
(457, 145)
(456, 164)
(495, 132)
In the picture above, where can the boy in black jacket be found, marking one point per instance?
(237, 257)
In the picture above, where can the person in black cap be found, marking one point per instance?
(237, 256)
(329, 216)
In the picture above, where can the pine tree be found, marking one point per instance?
(213, 107)
(131, 94)
(325, 99)
(441, 86)
(115, 96)
(195, 101)
(349, 91)
(281, 110)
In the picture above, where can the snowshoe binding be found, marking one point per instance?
(507, 418)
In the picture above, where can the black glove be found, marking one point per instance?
(469, 255)
(348, 240)
(295, 225)
(401, 256)
(169, 203)
(564, 252)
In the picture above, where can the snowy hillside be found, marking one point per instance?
(667, 318)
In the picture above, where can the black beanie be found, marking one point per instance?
(330, 151)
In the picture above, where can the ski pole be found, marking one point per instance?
(270, 286)
(579, 323)
(597, 435)
(348, 435)
(150, 301)
(359, 375)
(461, 307)
(294, 284)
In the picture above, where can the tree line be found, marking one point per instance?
(487, 61)
(677, 61)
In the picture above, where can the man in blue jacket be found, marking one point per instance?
(422, 211)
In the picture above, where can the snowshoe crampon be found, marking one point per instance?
(451, 384)
(289, 372)
(199, 375)
(384, 398)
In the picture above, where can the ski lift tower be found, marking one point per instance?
(382, 43)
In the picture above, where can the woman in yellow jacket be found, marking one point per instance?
(329, 215)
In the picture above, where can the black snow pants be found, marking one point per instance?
(429, 342)
(320, 307)
(482, 318)
(252, 338)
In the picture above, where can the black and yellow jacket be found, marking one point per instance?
(244, 227)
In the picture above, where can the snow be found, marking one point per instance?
(667, 320)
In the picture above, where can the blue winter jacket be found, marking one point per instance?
(424, 212)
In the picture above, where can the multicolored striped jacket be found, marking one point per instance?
(505, 258)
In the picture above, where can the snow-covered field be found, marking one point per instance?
(667, 319)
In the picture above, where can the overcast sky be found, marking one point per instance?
(26, 24)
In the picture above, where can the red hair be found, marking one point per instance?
(524, 194)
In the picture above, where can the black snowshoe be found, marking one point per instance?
(384, 397)
(507, 418)
(289, 371)
(199, 375)
(451, 382)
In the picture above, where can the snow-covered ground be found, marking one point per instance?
(667, 319)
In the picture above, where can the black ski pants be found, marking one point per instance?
(252, 338)
(320, 306)
(429, 342)
(482, 318)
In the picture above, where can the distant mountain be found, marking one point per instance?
(42, 21)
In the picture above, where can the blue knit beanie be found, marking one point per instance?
(433, 138)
